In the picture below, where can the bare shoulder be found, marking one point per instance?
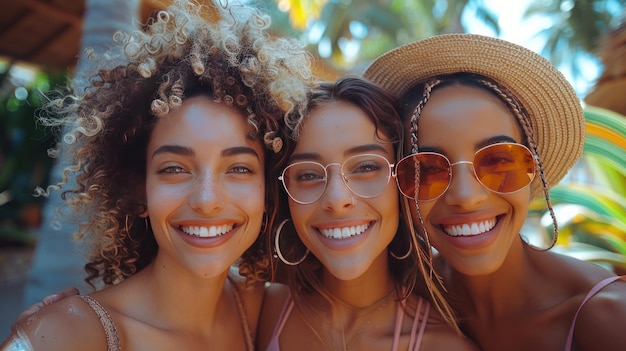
(275, 297)
(69, 324)
(600, 324)
(273, 303)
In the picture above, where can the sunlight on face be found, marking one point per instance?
(205, 187)
(347, 233)
(473, 228)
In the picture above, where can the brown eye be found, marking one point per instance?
(173, 170)
(240, 170)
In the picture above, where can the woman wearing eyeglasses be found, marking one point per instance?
(490, 126)
(350, 262)
(170, 151)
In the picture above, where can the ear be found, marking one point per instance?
(143, 202)
(143, 209)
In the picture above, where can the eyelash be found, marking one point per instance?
(240, 170)
(178, 170)
(172, 170)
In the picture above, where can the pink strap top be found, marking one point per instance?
(414, 342)
(601, 285)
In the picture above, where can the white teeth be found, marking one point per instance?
(208, 232)
(468, 229)
(344, 232)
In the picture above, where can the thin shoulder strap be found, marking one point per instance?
(241, 308)
(274, 344)
(110, 331)
(601, 285)
(284, 315)
(414, 344)
(398, 326)
(415, 339)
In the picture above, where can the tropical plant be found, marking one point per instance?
(575, 28)
(349, 33)
(590, 203)
(24, 162)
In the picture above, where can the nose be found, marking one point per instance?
(465, 190)
(205, 195)
(337, 196)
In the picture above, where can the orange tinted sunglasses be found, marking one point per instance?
(503, 168)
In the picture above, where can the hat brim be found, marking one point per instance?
(549, 99)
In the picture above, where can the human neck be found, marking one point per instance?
(492, 296)
(354, 307)
(186, 301)
(375, 283)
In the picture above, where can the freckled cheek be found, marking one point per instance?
(164, 199)
(249, 189)
(250, 194)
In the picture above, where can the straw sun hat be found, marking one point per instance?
(554, 109)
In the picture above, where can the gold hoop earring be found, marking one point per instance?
(277, 247)
(405, 256)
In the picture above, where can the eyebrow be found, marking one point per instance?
(352, 151)
(186, 151)
(489, 141)
(173, 149)
(239, 150)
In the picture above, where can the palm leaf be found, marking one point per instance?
(592, 214)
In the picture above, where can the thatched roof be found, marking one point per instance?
(46, 33)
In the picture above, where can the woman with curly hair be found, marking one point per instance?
(169, 153)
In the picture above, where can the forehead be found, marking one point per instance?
(338, 125)
(464, 112)
(203, 123)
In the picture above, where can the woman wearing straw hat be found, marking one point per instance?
(351, 264)
(490, 126)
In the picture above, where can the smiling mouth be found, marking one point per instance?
(208, 232)
(470, 229)
(344, 232)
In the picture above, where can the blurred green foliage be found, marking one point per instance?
(24, 161)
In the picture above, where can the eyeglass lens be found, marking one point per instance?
(365, 175)
(502, 168)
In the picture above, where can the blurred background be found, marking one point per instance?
(41, 42)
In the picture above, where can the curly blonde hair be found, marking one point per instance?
(179, 53)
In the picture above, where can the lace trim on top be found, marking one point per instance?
(113, 339)
(244, 317)
(20, 342)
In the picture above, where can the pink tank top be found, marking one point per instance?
(417, 328)
(601, 285)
